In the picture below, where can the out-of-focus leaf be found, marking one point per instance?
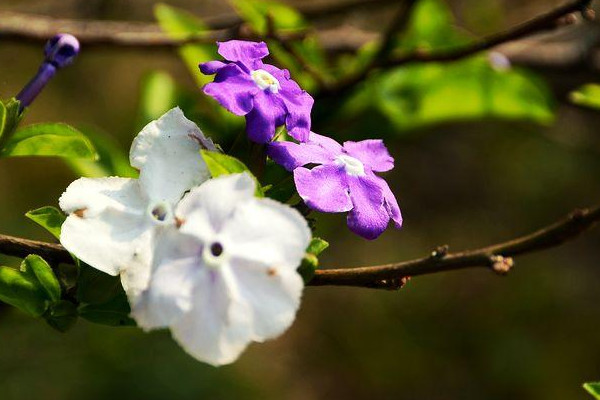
(113, 313)
(96, 287)
(158, 95)
(58, 140)
(113, 160)
(222, 164)
(588, 96)
(179, 24)
(49, 218)
(593, 388)
(61, 315)
(256, 13)
(310, 262)
(38, 269)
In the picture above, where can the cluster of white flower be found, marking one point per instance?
(203, 257)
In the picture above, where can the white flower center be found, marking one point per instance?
(213, 254)
(264, 80)
(352, 165)
(161, 212)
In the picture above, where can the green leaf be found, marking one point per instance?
(37, 268)
(96, 287)
(158, 95)
(9, 119)
(179, 24)
(61, 315)
(112, 161)
(310, 262)
(222, 164)
(587, 96)
(113, 313)
(59, 140)
(23, 291)
(593, 388)
(256, 13)
(49, 218)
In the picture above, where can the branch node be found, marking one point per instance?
(501, 265)
(440, 252)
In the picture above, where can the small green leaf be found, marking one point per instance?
(310, 262)
(113, 313)
(2, 117)
(9, 119)
(317, 246)
(256, 13)
(37, 268)
(593, 388)
(222, 164)
(588, 96)
(96, 287)
(61, 315)
(23, 291)
(59, 140)
(49, 218)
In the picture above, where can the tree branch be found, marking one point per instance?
(544, 22)
(389, 276)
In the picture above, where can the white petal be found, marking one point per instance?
(217, 329)
(272, 293)
(218, 198)
(107, 226)
(268, 232)
(167, 153)
(175, 272)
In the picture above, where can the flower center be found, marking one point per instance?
(264, 80)
(161, 212)
(352, 165)
(213, 254)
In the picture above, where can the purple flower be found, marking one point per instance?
(266, 95)
(343, 180)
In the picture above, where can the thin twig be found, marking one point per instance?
(553, 235)
(389, 276)
(541, 23)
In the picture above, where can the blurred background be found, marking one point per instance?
(483, 154)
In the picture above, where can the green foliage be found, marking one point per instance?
(179, 24)
(310, 262)
(222, 164)
(53, 139)
(49, 218)
(593, 388)
(61, 315)
(9, 118)
(158, 95)
(96, 287)
(112, 159)
(257, 12)
(587, 96)
(114, 312)
(32, 288)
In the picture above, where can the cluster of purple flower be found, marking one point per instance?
(342, 177)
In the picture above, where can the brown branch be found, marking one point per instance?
(387, 276)
(541, 23)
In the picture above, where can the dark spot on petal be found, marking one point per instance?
(216, 249)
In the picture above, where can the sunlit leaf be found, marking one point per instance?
(588, 96)
(310, 262)
(23, 291)
(9, 118)
(222, 164)
(49, 218)
(54, 139)
(256, 13)
(593, 388)
(37, 268)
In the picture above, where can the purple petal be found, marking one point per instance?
(211, 67)
(325, 142)
(372, 153)
(299, 107)
(267, 114)
(369, 217)
(390, 202)
(292, 155)
(233, 89)
(243, 51)
(323, 188)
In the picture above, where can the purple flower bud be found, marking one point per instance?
(59, 52)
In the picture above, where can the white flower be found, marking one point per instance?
(112, 220)
(228, 275)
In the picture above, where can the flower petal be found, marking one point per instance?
(217, 329)
(372, 153)
(292, 155)
(176, 270)
(390, 202)
(272, 293)
(216, 200)
(368, 217)
(167, 153)
(323, 188)
(107, 225)
(211, 67)
(325, 142)
(243, 51)
(299, 107)
(268, 113)
(233, 89)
